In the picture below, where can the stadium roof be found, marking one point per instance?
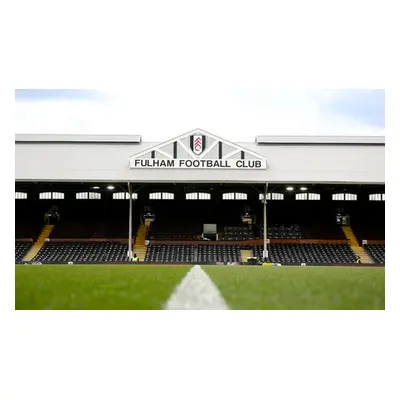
(73, 138)
(311, 139)
(263, 139)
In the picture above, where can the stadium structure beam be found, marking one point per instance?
(130, 223)
(265, 251)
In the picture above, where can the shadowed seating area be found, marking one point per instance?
(53, 252)
(170, 253)
(193, 253)
(308, 253)
(376, 252)
(21, 248)
(221, 253)
(200, 223)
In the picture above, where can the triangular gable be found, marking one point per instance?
(199, 145)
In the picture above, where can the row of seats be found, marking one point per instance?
(243, 232)
(286, 231)
(242, 229)
(117, 252)
(279, 253)
(193, 253)
(178, 228)
(21, 248)
(82, 252)
(377, 252)
(170, 253)
(308, 253)
(225, 254)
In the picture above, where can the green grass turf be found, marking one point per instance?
(94, 287)
(121, 287)
(294, 288)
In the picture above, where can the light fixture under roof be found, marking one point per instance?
(110, 187)
(289, 188)
(303, 188)
(96, 187)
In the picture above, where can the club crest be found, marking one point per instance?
(197, 143)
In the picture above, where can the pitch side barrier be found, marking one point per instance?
(195, 262)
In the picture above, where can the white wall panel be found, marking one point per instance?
(287, 163)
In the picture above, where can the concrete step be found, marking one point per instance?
(360, 252)
(34, 250)
(245, 254)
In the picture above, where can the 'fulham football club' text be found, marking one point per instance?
(201, 164)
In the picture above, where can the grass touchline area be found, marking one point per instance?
(243, 287)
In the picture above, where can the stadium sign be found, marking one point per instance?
(195, 163)
(198, 150)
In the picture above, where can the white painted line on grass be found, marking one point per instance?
(196, 291)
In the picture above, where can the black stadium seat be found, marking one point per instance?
(242, 232)
(308, 253)
(53, 252)
(218, 253)
(21, 248)
(377, 252)
(193, 253)
(170, 253)
(286, 231)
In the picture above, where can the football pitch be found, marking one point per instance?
(148, 287)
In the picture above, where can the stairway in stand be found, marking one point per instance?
(245, 254)
(31, 254)
(140, 247)
(357, 249)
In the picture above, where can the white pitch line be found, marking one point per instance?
(196, 291)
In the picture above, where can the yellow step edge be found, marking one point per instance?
(41, 240)
(355, 246)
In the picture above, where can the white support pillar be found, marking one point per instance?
(130, 223)
(265, 252)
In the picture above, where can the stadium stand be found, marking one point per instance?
(182, 221)
(21, 249)
(86, 219)
(170, 253)
(176, 220)
(308, 253)
(243, 232)
(218, 253)
(368, 219)
(368, 230)
(279, 253)
(377, 252)
(178, 227)
(193, 253)
(92, 229)
(53, 252)
(27, 225)
(285, 231)
(302, 220)
(27, 229)
(29, 218)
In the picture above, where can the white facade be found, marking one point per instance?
(94, 158)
